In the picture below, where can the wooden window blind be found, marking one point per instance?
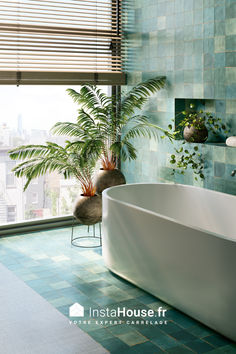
(60, 42)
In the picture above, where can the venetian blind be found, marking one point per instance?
(60, 42)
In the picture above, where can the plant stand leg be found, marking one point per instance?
(94, 234)
(97, 239)
(100, 233)
(72, 231)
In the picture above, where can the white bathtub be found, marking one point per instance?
(178, 243)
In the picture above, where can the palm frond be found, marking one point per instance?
(28, 151)
(51, 157)
(124, 149)
(91, 98)
(66, 128)
(116, 148)
(139, 95)
(85, 120)
(128, 151)
(140, 130)
(90, 149)
(74, 94)
(37, 167)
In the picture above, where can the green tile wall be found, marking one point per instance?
(192, 43)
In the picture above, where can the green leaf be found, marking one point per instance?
(40, 159)
(136, 98)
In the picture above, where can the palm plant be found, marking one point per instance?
(68, 161)
(105, 126)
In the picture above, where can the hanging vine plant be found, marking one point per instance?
(194, 128)
(184, 159)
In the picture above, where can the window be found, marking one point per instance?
(26, 115)
(35, 181)
(11, 213)
(10, 177)
(34, 198)
(49, 42)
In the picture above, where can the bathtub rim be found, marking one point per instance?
(105, 194)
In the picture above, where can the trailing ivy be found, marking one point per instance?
(185, 158)
(188, 157)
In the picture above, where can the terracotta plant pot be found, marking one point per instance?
(108, 178)
(195, 135)
(88, 210)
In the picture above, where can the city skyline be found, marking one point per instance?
(40, 106)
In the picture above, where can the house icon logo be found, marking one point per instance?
(76, 310)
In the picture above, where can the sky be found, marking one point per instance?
(40, 106)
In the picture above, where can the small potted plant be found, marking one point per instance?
(67, 161)
(194, 127)
(196, 124)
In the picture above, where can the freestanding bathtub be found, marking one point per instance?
(178, 243)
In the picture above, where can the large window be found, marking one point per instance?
(26, 115)
(49, 42)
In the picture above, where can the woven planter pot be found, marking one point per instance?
(108, 178)
(88, 210)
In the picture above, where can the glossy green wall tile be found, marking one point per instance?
(193, 44)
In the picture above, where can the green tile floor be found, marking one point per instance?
(64, 274)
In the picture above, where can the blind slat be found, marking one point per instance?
(47, 41)
(45, 30)
(99, 12)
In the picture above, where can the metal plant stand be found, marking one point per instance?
(93, 239)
